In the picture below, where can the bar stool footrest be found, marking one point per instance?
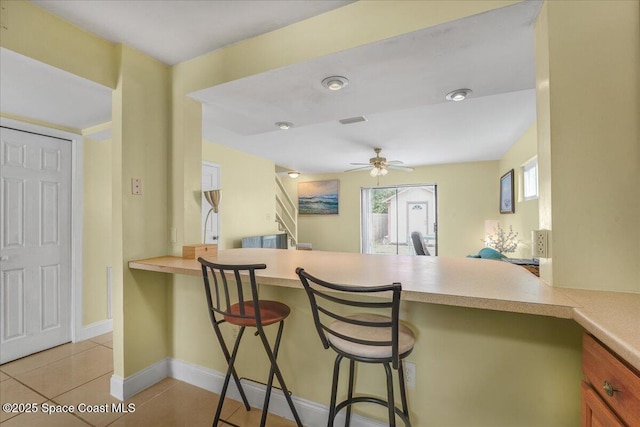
(371, 399)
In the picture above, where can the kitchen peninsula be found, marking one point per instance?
(612, 317)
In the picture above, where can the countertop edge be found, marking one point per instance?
(578, 312)
(618, 345)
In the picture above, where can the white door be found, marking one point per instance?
(35, 243)
(417, 218)
(210, 181)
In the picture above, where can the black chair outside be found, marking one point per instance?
(363, 337)
(243, 313)
(418, 243)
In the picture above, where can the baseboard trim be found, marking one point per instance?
(124, 388)
(312, 413)
(93, 330)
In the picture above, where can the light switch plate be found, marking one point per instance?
(136, 186)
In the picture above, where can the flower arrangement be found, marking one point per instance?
(503, 241)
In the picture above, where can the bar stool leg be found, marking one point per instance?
(276, 370)
(352, 367)
(334, 390)
(390, 399)
(403, 392)
(267, 397)
(227, 357)
(223, 393)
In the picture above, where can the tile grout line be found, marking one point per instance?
(51, 362)
(142, 404)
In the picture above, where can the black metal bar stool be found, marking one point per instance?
(243, 313)
(364, 337)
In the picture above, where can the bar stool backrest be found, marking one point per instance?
(224, 291)
(328, 301)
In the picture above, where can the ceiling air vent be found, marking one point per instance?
(353, 120)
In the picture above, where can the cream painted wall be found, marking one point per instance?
(141, 134)
(467, 196)
(34, 32)
(39, 123)
(543, 121)
(248, 187)
(525, 218)
(97, 232)
(589, 101)
(247, 209)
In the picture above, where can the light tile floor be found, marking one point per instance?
(71, 374)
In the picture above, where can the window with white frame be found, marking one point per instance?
(530, 179)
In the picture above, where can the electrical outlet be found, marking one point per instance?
(540, 243)
(136, 186)
(410, 374)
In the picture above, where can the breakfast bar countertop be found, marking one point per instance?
(612, 317)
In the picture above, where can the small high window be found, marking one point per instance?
(530, 179)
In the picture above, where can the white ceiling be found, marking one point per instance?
(398, 84)
(38, 91)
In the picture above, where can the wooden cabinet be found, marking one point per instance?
(611, 389)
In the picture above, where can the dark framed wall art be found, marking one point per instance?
(507, 202)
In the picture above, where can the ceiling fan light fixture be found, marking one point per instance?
(459, 95)
(335, 82)
(284, 125)
(374, 172)
(384, 171)
(293, 174)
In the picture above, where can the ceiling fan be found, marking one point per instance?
(379, 165)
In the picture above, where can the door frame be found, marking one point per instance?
(219, 169)
(78, 331)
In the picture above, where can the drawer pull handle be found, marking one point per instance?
(609, 388)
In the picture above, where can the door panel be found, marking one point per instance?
(13, 209)
(13, 303)
(36, 243)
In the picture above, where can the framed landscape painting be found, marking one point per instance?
(507, 203)
(318, 197)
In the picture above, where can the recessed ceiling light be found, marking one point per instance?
(293, 174)
(335, 82)
(284, 125)
(458, 94)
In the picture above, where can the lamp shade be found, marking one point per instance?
(213, 197)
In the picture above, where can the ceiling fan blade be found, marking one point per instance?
(359, 169)
(400, 168)
(355, 164)
(395, 162)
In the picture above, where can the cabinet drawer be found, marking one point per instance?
(595, 412)
(606, 372)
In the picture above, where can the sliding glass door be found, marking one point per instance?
(391, 214)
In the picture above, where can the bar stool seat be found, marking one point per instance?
(270, 312)
(406, 339)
